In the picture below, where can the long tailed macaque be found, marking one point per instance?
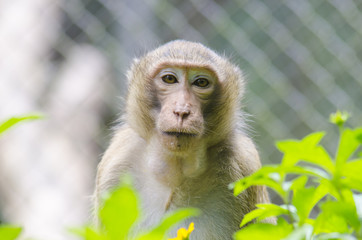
(182, 140)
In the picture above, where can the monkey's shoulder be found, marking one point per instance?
(240, 157)
(123, 142)
(125, 146)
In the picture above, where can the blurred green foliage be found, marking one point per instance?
(333, 186)
(8, 123)
(121, 211)
(9, 232)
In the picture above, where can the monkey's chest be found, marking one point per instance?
(218, 219)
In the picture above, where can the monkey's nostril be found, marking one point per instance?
(181, 113)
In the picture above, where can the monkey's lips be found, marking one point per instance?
(178, 141)
(179, 134)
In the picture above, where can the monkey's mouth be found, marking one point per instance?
(180, 134)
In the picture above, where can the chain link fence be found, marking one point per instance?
(67, 59)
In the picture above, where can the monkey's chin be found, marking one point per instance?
(178, 141)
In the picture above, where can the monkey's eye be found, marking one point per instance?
(201, 82)
(170, 79)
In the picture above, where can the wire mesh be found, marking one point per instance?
(67, 59)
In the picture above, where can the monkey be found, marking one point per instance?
(183, 141)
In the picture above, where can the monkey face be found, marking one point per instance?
(182, 93)
(185, 93)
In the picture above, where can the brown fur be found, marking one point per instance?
(198, 176)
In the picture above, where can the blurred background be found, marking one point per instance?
(67, 60)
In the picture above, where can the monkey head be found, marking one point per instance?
(184, 93)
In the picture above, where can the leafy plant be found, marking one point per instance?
(8, 123)
(121, 211)
(10, 232)
(308, 179)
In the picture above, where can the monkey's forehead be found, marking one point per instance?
(180, 53)
(157, 68)
(185, 52)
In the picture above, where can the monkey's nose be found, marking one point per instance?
(181, 113)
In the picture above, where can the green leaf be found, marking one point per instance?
(351, 184)
(307, 150)
(299, 183)
(304, 199)
(8, 232)
(263, 211)
(310, 140)
(261, 231)
(88, 234)
(335, 217)
(119, 212)
(351, 171)
(171, 219)
(5, 125)
(349, 142)
(266, 176)
(331, 187)
(328, 223)
(339, 190)
(260, 177)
